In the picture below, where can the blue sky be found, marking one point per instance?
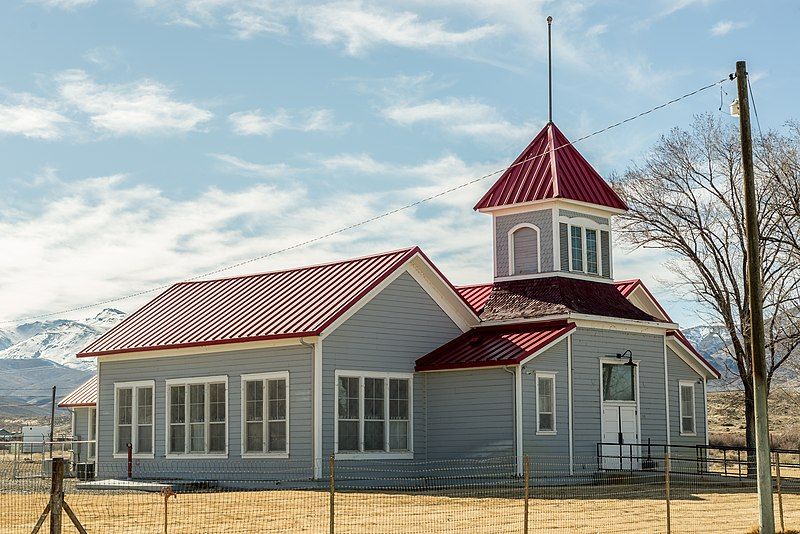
(144, 142)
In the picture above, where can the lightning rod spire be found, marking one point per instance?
(549, 70)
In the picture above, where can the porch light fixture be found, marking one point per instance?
(629, 354)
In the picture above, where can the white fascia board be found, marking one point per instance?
(204, 349)
(593, 321)
(585, 207)
(552, 274)
(689, 358)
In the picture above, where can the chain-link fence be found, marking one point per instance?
(553, 493)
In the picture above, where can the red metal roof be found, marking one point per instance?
(84, 396)
(626, 287)
(493, 346)
(677, 334)
(280, 304)
(550, 167)
(476, 295)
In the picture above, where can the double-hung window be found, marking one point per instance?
(265, 405)
(686, 399)
(197, 416)
(133, 418)
(584, 249)
(545, 403)
(374, 414)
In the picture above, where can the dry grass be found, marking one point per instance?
(625, 510)
(726, 418)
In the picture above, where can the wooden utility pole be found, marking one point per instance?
(756, 304)
(52, 420)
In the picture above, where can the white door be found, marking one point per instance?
(620, 428)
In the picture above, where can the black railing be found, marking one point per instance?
(703, 459)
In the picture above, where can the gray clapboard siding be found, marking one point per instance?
(470, 414)
(563, 245)
(680, 370)
(398, 326)
(555, 447)
(295, 359)
(570, 214)
(605, 252)
(542, 219)
(588, 346)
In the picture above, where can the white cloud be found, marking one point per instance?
(597, 29)
(255, 122)
(247, 24)
(459, 116)
(359, 28)
(63, 4)
(724, 27)
(248, 168)
(122, 237)
(141, 107)
(360, 163)
(31, 117)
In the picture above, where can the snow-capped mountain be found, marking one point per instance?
(38, 355)
(710, 341)
(57, 340)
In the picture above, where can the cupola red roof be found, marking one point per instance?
(550, 168)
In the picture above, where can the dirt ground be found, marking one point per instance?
(620, 509)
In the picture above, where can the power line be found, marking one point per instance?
(371, 219)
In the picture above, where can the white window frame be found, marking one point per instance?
(550, 375)
(134, 387)
(91, 427)
(586, 224)
(511, 270)
(374, 455)
(187, 433)
(681, 385)
(264, 377)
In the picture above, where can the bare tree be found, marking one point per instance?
(686, 197)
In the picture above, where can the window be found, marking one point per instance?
(591, 251)
(686, 399)
(576, 235)
(619, 382)
(197, 416)
(373, 414)
(584, 252)
(266, 414)
(545, 403)
(92, 431)
(133, 418)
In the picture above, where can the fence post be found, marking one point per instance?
(332, 490)
(527, 472)
(778, 481)
(130, 461)
(666, 488)
(56, 495)
(167, 493)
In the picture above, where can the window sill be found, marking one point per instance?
(374, 455)
(136, 456)
(276, 455)
(546, 433)
(689, 434)
(215, 456)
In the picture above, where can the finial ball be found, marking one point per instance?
(549, 19)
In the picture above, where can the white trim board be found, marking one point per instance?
(203, 349)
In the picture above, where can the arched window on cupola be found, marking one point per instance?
(524, 250)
